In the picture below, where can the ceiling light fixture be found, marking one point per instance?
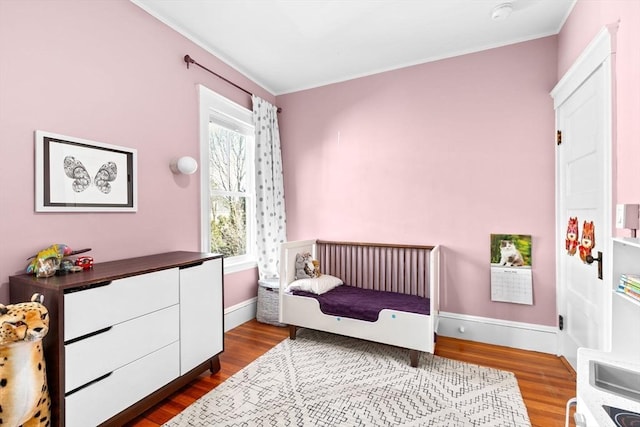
(501, 11)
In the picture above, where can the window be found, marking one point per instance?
(227, 141)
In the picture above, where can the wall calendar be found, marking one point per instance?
(511, 275)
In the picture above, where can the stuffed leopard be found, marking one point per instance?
(24, 396)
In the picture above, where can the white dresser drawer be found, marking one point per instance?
(96, 355)
(97, 308)
(103, 399)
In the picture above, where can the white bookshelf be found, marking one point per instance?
(625, 337)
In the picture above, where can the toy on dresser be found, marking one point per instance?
(52, 260)
(23, 379)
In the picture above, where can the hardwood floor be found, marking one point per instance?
(546, 383)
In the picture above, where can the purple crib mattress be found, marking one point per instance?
(366, 304)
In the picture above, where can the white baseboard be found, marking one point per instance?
(240, 313)
(525, 336)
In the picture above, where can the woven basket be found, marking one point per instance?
(268, 302)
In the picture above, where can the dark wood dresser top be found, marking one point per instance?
(113, 270)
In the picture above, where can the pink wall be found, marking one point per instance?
(446, 152)
(106, 71)
(585, 21)
(441, 153)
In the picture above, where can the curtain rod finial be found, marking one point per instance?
(188, 60)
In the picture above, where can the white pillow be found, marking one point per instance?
(316, 285)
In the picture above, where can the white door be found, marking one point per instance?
(583, 190)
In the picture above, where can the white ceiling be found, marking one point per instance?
(291, 45)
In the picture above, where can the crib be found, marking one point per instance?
(401, 269)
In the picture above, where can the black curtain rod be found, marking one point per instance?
(190, 60)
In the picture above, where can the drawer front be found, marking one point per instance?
(97, 308)
(99, 354)
(103, 399)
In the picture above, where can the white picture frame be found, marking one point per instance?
(79, 175)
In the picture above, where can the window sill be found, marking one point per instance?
(238, 266)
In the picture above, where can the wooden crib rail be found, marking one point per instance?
(379, 245)
(379, 266)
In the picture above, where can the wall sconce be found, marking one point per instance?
(185, 165)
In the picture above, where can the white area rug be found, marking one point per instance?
(321, 379)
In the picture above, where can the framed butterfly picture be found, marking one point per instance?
(78, 175)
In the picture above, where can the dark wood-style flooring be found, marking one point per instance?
(545, 381)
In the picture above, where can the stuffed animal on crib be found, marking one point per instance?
(571, 242)
(306, 267)
(588, 240)
(24, 396)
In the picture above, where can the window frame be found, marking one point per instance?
(231, 115)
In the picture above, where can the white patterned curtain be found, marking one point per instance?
(270, 215)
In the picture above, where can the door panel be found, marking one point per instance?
(582, 193)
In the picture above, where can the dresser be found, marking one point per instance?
(128, 333)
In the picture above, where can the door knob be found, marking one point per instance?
(590, 259)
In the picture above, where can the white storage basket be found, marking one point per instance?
(268, 302)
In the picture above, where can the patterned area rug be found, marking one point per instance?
(322, 379)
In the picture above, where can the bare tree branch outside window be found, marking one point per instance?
(228, 178)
